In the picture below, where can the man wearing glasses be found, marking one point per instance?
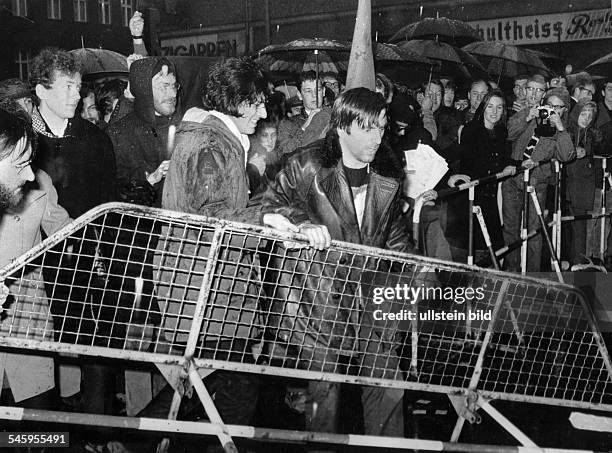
(519, 93)
(140, 139)
(584, 90)
(535, 141)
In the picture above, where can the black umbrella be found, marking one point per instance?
(441, 29)
(96, 63)
(452, 60)
(505, 60)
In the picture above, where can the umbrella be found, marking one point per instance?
(318, 54)
(506, 60)
(402, 65)
(308, 62)
(554, 62)
(601, 66)
(97, 63)
(441, 28)
(452, 60)
(393, 53)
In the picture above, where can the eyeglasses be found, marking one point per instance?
(519, 87)
(583, 89)
(22, 165)
(557, 106)
(537, 90)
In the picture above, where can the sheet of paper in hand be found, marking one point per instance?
(424, 169)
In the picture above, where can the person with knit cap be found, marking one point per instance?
(535, 140)
(18, 91)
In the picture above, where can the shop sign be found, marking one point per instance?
(209, 45)
(546, 28)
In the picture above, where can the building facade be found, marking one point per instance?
(26, 26)
(578, 31)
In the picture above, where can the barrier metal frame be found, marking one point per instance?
(479, 387)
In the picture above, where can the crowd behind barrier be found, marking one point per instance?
(527, 190)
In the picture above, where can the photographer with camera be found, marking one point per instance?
(538, 134)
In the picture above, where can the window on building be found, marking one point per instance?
(23, 64)
(127, 9)
(54, 9)
(80, 10)
(105, 11)
(20, 8)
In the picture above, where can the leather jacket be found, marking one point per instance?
(317, 301)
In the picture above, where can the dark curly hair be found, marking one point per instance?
(232, 82)
(48, 61)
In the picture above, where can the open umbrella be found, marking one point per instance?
(402, 65)
(393, 53)
(96, 63)
(601, 66)
(318, 54)
(442, 29)
(295, 64)
(505, 60)
(452, 60)
(554, 62)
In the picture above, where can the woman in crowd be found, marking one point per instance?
(483, 153)
(580, 175)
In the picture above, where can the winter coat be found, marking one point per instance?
(207, 177)
(483, 152)
(581, 173)
(316, 300)
(81, 164)
(140, 138)
(559, 146)
(28, 315)
(291, 135)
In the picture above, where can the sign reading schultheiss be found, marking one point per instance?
(543, 28)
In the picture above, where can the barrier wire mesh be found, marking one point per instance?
(146, 284)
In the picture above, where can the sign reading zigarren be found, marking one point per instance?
(574, 26)
(209, 45)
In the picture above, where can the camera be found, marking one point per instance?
(544, 112)
(544, 128)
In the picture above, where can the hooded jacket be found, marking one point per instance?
(140, 138)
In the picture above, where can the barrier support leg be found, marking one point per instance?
(164, 445)
(470, 257)
(487, 237)
(505, 423)
(212, 412)
(553, 254)
(525, 222)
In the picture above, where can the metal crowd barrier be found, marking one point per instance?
(192, 294)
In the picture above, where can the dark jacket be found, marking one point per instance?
(140, 138)
(581, 174)
(81, 164)
(317, 298)
(483, 152)
(291, 136)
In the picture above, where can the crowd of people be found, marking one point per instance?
(247, 154)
